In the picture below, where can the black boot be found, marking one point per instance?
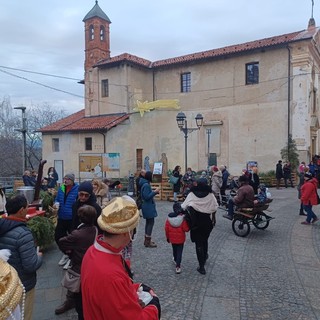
(69, 304)
(201, 259)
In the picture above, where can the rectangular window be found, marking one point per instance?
(105, 88)
(88, 143)
(252, 73)
(55, 145)
(186, 82)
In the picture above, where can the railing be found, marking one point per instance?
(10, 183)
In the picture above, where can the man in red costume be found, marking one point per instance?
(107, 288)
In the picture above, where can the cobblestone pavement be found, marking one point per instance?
(270, 274)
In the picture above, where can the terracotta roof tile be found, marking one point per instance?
(78, 122)
(248, 46)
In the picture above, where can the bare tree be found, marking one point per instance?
(11, 140)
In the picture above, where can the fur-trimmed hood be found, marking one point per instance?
(102, 192)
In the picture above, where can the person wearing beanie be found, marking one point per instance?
(309, 197)
(216, 183)
(201, 206)
(175, 228)
(108, 291)
(148, 207)
(66, 196)
(86, 196)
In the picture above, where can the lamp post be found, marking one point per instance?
(183, 126)
(23, 130)
(208, 132)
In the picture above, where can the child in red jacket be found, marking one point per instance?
(175, 229)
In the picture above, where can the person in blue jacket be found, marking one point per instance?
(148, 207)
(66, 196)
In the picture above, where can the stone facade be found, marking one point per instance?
(247, 121)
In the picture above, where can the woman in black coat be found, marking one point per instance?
(201, 206)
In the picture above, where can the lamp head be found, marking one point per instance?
(181, 117)
(199, 120)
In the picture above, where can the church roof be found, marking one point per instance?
(96, 11)
(79, 122)
(275, 41)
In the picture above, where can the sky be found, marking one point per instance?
(42, 42)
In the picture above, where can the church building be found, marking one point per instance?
(234, 104)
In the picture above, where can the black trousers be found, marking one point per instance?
(62, 229)
(177, 253)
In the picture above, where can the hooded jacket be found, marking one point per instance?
(17, 237)
(103, 195)
(175, 228)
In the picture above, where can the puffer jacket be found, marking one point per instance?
(216, 182)
(17, 237)
(148, 205)
(66, 201)
(309, 192)
(176, 228)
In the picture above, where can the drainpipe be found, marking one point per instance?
(289, 92)
(104, 147)
(153, 85)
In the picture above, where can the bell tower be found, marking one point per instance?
(97, 36)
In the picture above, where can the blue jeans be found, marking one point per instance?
(230, 208)
(310, 214)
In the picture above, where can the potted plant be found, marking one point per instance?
(42, 229)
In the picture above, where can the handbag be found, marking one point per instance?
(71, 281)
(173, 179)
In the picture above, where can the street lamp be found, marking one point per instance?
(24, 137)
(183, 126)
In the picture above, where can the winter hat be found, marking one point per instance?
(11, 288)
(308, 176)
(121, 215)
(215, 169)
(86, 186)
(69, 176)
(177, 208)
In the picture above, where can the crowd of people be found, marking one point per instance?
(95, 233)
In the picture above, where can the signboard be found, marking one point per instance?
(157, 168)
(98, 165)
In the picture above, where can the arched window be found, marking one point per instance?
(102, 32)
(91, 32)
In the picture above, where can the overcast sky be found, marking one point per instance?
(48, 37)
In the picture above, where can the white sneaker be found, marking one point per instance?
(67, 265)
(178, 270)
(63, 260)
